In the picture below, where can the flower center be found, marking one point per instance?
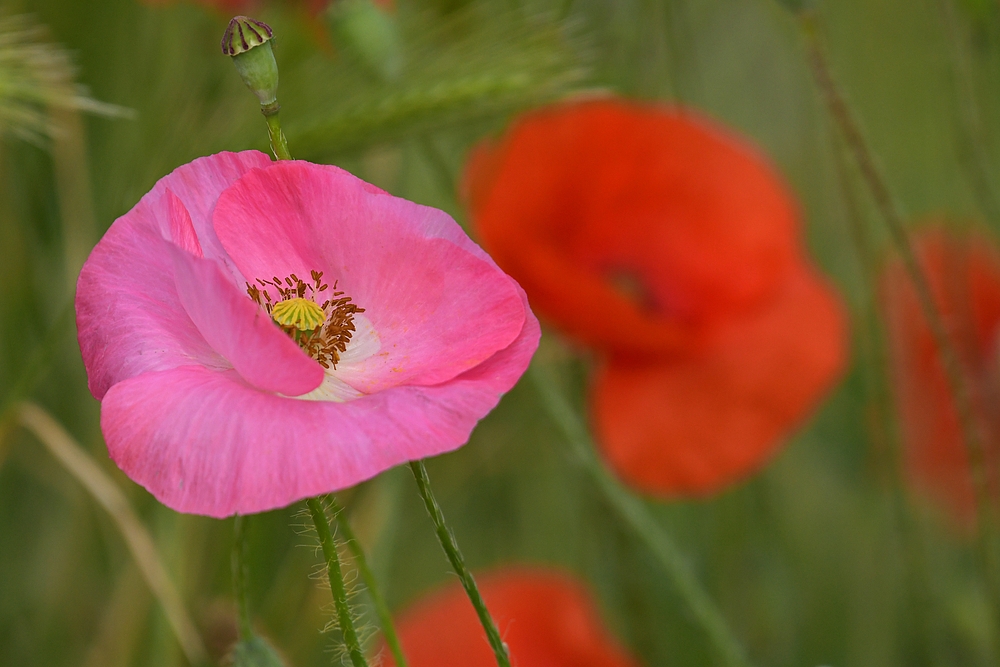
(321, 324)
(301, 314)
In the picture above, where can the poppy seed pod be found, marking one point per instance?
(248, 42)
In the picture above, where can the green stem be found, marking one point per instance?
(645, 526)
(239, 565)
(381, 608)
(337, 586)
(451, 550)
(279, 145)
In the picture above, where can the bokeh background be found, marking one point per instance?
(821, 558)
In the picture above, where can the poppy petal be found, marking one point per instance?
(964, 276)
(697, 423)
(546, 618)
(129, 317)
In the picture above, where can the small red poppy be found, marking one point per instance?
(546, 618)
(672, 248)
(964, 276)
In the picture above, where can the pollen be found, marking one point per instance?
(318, 318)
(303, 314)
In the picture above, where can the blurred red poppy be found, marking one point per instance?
(672, 248)
(964, 275)
(546, 618)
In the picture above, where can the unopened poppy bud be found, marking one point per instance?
(248, 41)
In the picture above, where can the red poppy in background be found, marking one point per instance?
(672, 248)
(546, 617)
(964, 275)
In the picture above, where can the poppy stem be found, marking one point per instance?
(279, 145)
(381, 608)
(337, 586)
(867, 165)
(451, 550)
(645, 526)
(239, 565)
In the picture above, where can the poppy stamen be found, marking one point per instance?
(322, 329)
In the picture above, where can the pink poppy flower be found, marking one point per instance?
(260, 332)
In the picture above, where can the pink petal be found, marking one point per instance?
(240, 331)
(205, 442)
(198, 185)
(129, 318)
(181, 228)
(438, 305)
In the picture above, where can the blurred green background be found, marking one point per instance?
(821, 559)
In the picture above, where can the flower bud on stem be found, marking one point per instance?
(248, 42)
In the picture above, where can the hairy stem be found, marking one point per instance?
(381, 608)
(451, 550)
(337, 586)
(645, 526)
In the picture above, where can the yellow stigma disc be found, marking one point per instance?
(302, 314)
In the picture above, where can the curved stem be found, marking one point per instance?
(239, 565)
(337, 586)
(645, 526)
(451, 550)
(381, 608)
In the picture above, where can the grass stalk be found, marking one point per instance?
(140, 544)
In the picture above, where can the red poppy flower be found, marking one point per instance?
(546, 618)
(964, 275)
(672, 248)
